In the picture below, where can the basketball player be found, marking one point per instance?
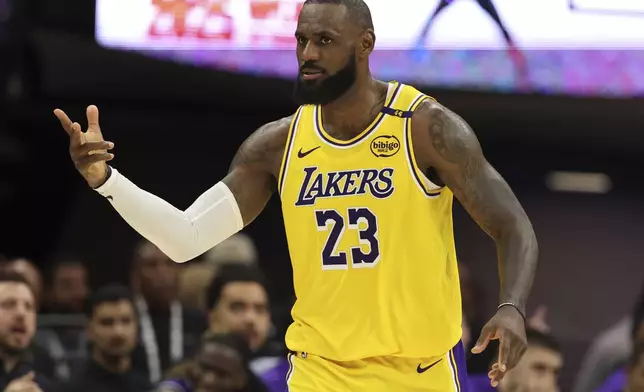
(370, 235)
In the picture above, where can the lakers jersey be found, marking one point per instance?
(370, 239)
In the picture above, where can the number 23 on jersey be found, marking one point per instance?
(336, 223)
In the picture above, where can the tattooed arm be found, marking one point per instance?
(445, 142)
(219, 212)
(252, 177)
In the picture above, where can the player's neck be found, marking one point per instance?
(355, 108)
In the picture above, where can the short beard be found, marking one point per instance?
(325, 91)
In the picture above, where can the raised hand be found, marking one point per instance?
(507, 326)
(88, 150)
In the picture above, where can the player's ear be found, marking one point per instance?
(368, 42)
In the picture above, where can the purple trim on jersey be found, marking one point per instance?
(461, 367)
(318, 122)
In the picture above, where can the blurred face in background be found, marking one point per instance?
(69, 288)
(538, 371)
(636, 376)
(156, 276)
(113, 329)
(219, 369)
(243, 308)
(326, 53)
(17, 317)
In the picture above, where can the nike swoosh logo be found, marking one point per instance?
(301, 154)
(420, 369)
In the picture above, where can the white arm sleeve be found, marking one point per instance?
(182, 235)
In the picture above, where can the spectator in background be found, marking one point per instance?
(635, 381)
(112, 333)
(538, 369)
(42, 359)
(196, 276)
(169, 331)
(17, 328)
(31, 273)
(238, 302)
(239, 248)
(61, 328)
(616, 381)
(609, 351)
(220, 366)
(68, 286)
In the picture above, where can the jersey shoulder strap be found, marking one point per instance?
(407, 102)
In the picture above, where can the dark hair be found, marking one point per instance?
(358, 10)
(232, 340)
(239, 345)
(636, 356)
(109, 293)
(232, 273)
(9, 276)
(638, 315)
(540, 339)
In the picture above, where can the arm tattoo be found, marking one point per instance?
(456, 154)
(252, 176)
(264, 147)
(468, 175)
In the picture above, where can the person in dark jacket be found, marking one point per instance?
(112, 333)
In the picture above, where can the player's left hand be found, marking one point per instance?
(507, 326)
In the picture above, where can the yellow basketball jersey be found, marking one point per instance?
(370, 240)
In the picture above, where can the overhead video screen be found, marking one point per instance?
(570, 47)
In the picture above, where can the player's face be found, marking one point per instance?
(17, 317)
(243, 309)
(326, 54)
(113, 328)
(219, 369)
(538, 371)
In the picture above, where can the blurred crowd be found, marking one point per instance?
(210, 326)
